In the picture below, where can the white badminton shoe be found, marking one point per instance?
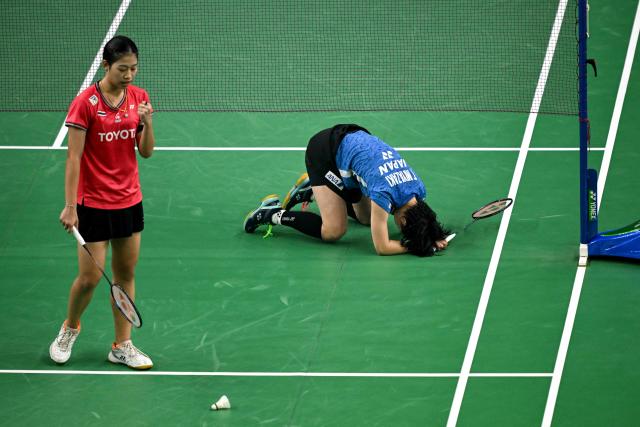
(60, 348)
(128, 354)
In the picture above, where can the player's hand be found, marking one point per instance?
(69, 218)
(441, 244)
(144, 112)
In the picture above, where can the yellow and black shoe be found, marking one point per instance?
(301, 192)
(262, 214)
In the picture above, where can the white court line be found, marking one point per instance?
(275, 374)
(602, 178)
(564, 345)
(96, 63)
(504, 223)
(452, 149)
(617, 109)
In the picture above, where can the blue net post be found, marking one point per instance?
(586, 230)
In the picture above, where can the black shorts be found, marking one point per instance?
(320, 159)
(98, 225)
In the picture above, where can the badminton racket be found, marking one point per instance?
(490, 209)
(120, 297)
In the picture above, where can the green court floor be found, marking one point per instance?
(300, 333)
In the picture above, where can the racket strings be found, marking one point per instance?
(126, 306)
(492, 208)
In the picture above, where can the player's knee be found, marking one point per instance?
(88, 281)
(333, 233)
(364, 220)
(124, 275)
(124, 269)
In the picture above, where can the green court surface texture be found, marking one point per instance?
(297, 332)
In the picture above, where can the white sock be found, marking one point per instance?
(276, 217)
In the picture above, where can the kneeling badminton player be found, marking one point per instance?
(102, 190)
(351, 173)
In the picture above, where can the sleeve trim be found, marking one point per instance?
(75, 125)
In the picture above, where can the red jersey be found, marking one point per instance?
(109, 167)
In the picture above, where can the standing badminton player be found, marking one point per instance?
(353, 173)
(103, 199)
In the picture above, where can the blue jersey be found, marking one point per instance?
(368, 163)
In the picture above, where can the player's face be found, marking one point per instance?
(122, 72)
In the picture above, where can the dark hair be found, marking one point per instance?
(118, 47)
(421, 230)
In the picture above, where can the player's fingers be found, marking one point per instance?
(68, 222)
(144, 113)
(146, 107)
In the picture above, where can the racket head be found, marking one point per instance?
(126, 306)
(491, 209)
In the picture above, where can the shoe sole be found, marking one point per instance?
(304, 177)
(115, 360)
(265, 201)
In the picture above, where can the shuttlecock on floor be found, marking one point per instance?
(222, 403)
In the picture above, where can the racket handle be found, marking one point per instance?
(77, 235)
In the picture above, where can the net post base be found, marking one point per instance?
(584, 255)
(622, 242)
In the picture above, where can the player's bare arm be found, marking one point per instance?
(380, 233)
(69, 215)
(147, 140)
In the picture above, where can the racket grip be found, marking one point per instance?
(77, 235)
